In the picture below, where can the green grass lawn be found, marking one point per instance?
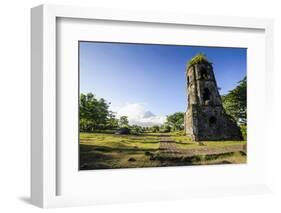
(99, 150)
(186, 143)
(105, 151)
(114, 141)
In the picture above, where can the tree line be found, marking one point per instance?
(95, 114)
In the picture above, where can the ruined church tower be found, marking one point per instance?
(205, 118)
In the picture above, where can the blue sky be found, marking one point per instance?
(152, 76)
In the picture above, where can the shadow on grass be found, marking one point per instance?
(94, 160)
(102, 157)
(220, 158)
(167, 160)
(217, 156)
(88, 148)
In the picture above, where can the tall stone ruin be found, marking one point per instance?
(205, 119)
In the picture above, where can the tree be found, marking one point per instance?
(235, 102)
(112, 121)
(176, 121)
(136, 129)
(165, 128)
(155, 128)
(123, 121)
(93, 113)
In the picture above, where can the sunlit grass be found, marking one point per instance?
(105, 151)
(185, 142)
(120, 141)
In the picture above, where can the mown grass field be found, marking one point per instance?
(108, 151)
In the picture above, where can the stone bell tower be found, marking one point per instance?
(205, 118)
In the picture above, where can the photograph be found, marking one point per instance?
(157, 105)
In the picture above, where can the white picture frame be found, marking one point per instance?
(44, 84)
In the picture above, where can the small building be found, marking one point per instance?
(206, 118)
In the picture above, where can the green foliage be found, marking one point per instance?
(136, 130)
(235, 102)
(123, 121)
(199, 58)
(94, 114)
(176, 121)
(155, 128)
(165, 128)
(243, 129)
(112, 121)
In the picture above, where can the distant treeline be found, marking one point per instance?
(95, 114)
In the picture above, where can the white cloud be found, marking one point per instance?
(138, 115)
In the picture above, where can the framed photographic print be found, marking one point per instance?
(128, 127)
(148, 106)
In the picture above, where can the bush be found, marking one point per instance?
(166, 128)
(136, 130)
(155, 128)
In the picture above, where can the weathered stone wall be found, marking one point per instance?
(211, 123)
(205, 118)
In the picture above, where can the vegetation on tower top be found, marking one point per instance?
(199, 58)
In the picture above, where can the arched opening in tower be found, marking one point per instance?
(212, 121)
(206, 94)
(204, 74)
